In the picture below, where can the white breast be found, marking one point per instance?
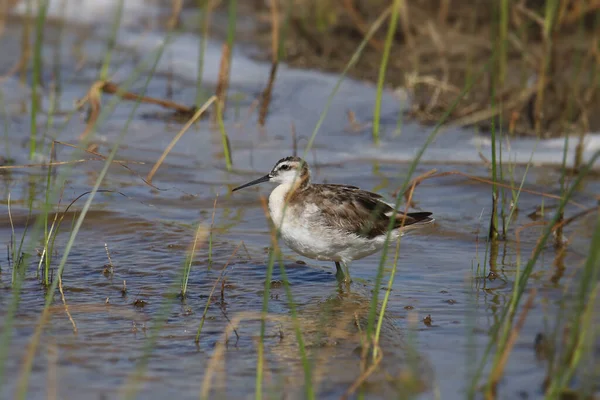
(301, 230)
(294, 221)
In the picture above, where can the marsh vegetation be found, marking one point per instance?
(132, 271)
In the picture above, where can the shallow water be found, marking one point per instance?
(149, 231)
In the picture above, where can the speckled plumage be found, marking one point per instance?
(331, 222)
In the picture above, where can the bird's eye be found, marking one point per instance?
(284, 167)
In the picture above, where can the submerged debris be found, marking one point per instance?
(427, 320)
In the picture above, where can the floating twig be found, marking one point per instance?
(62, 295)
(99, 87)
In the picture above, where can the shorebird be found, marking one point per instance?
(328, 222)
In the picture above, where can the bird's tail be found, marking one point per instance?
(413, 220)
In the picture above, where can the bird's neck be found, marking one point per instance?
(283, 195)
(277, 201)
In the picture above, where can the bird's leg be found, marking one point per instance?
(348, 279)
(342, 274)
(339, 272)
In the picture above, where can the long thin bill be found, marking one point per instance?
(254, 182)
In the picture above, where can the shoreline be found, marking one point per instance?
(438, 59)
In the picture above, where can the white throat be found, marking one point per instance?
(277, 203)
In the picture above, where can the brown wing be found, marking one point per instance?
(357, 211)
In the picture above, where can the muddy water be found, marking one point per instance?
(143, 339)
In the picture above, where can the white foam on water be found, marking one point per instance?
(471, 150)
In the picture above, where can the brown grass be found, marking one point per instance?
(439, 44)
(266, 94)
(434, 174)
(223, 79)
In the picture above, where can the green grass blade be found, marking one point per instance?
(204, 29)
(37, 74)
(224, 137)
(306, 365)
(112, 41)
(260, 361)
(383, 67)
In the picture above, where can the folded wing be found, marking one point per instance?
(363, 213)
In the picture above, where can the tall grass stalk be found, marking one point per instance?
(5, 125)
(494, 80)
(503, 40)
(225, 67)
(53, 101)
(179, 135)
(309, 392)
(385, 300)
(210, 233)
(383, 67)
(26, 41)
(517, 195)
(224, 138)
(265, 97)
(204, 29)
(112, 40)
(45, 258)
(19, 262)
(550, 13)
(501, 166)
(37, 74)
(18, 275)
(19, 257)
(563, 185)
(576, 92)
(200, 232)
(47, 255)
(56, 85)
(260, 360)
(12, 243)
(231, 23)
(283, 30)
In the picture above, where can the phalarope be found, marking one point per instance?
(328, 222)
